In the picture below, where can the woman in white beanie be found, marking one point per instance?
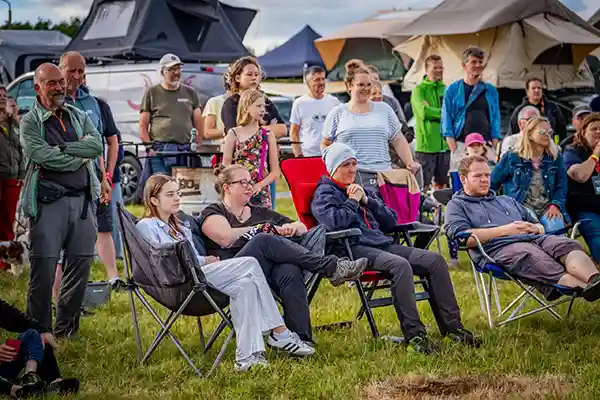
(339, 203)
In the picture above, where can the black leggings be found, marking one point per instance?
(47, 370)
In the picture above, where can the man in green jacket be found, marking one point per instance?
(426, 99)
(60, 144)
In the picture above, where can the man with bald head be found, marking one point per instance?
(72, 64)
(60, 144)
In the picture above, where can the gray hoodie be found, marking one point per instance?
(465, 212)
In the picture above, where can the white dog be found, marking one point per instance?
(16, 252)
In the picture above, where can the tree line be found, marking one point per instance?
(68, 27)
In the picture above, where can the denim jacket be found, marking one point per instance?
(515, 174)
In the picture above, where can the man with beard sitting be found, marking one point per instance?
(60, 144)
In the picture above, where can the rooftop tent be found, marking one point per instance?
(595, 19)
(289, 59)
(369, 40)
(521, 39)
(22, 51)
(195, 30)
(240, 18)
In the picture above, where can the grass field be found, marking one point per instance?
(538, 357)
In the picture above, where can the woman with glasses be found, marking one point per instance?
(236, 228)
(535, 175)
(583, 168)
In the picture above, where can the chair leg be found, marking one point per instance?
(368, 311)
(221, 352)
(136, 326)
(370, 291)
(201, 333)
(496, 296)
(219, 329)
(478, 287)
(487, 300)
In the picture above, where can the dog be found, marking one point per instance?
(16, 252)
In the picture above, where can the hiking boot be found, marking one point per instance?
(292, 345)
(63, 386)
(421, 344)
(348, 270)
(461, 335)
(591, 291)
(32, 385)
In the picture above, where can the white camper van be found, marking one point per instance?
(122, 86)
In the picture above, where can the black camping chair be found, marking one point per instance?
(170, 275)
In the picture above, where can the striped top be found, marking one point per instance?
(367, 134)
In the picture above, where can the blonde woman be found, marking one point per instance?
(535, 175)
(253, 146)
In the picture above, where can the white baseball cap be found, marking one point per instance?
(169, 60)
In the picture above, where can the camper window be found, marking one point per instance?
(112, 20)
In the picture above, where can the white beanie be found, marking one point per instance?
(335, 155)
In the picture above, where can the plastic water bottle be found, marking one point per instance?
(193, 136)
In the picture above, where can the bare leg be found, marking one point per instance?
(280, 329)
(580, 265)
(31, 366)
(106, 250)
(570, 281)
(57, 281)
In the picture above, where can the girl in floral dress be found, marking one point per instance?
(253, 146)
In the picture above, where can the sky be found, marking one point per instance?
(276, 21)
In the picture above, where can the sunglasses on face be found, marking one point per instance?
(544, 132)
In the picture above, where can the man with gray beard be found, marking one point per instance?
(60, 144)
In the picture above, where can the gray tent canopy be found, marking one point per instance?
(22, 51)
(195, 30)
(595, 19)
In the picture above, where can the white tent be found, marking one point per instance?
(521, 39)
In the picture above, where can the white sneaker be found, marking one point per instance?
(255, 360)
(292, 345)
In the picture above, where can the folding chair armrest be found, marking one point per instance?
(414, 227)
(343, 234)
(464, 237)
(567, 228)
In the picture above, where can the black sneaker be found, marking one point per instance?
(64, 386)
(32, 385)
(348, 270)
(461, 335)
(591, 291)
(421, 344)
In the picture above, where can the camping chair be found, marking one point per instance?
(302, 175)
(169, 275)
(488, 269)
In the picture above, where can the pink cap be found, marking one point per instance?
(473, 138)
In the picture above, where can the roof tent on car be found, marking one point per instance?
(196, 30)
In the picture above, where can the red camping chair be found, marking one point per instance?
(302, 176)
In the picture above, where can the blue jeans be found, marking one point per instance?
(117, 197)
(273, 188)
(32, 347)
(551, 225)
(591, 232)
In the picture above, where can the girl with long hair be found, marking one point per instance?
(254, 147)
(253, 309)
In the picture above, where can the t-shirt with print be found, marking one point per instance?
(310, 114)
(536, 198)
(214, 106)
(170, 113)
(258, 215)
(367, 134)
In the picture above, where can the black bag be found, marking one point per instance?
(48, 192)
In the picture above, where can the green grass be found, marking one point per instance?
(347, 360)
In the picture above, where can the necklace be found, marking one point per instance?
(239, 217)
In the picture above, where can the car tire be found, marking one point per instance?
(131, 172)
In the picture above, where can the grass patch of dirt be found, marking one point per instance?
(423, 387)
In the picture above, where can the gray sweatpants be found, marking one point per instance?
(59, 226)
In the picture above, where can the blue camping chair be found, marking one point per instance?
(487, 272)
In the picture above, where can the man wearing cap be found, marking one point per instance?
(470, 105)
(168, 112)
(512, 142)
(579, 113)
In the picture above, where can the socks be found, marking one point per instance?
(283, 335)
